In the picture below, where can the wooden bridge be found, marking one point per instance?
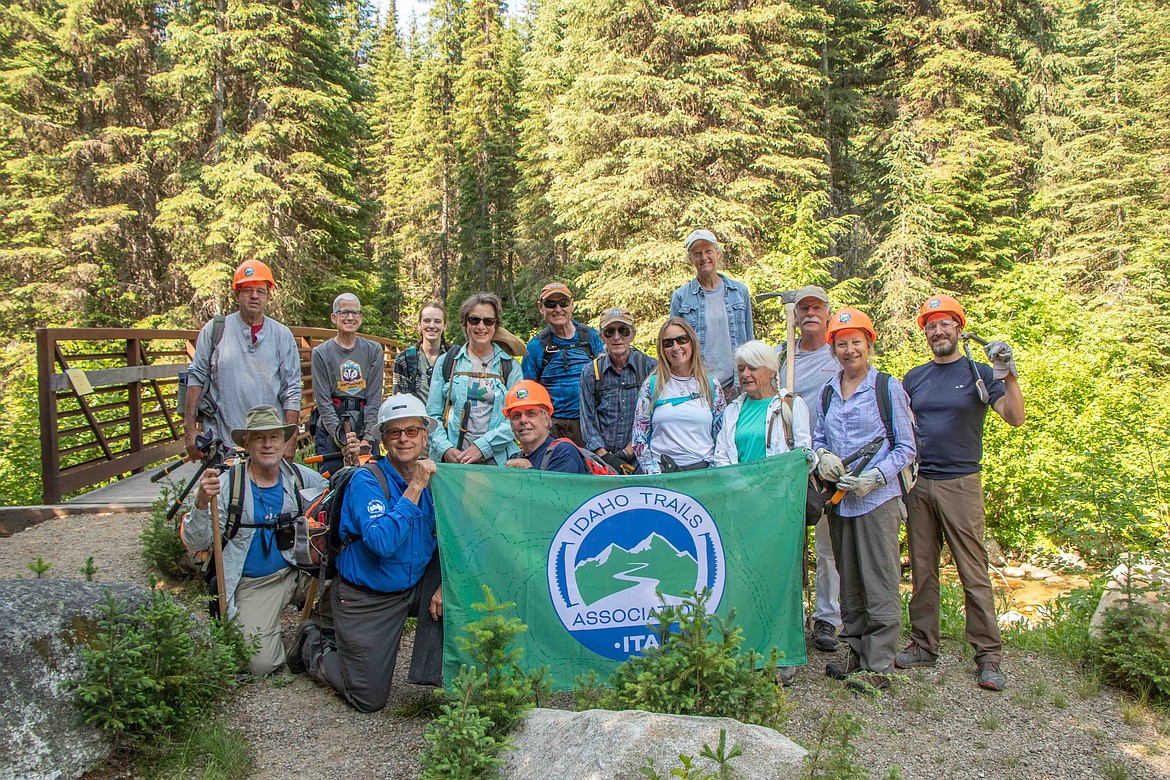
(108, 410)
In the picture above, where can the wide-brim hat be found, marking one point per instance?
(262, 418)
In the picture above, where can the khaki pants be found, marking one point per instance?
(950, 509)
(259, 602)
(869, 562)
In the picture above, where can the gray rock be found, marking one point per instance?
(605, 745)
(43, 623)
(1144, 583)
(1015, 572)
(994, 552)
(1040, 574)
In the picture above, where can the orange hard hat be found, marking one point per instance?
(850, 319)
(937, 304)
(527, 393)
(252, 271)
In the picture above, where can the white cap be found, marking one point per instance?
(702, 235)
(402, 406)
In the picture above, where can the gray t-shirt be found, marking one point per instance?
(813, 370)
(481, 393)
(716, 349)
(348, 373)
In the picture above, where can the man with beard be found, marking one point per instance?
(947, 501)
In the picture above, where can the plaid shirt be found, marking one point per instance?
(610, 424)
(852, 424)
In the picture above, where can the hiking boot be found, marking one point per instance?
(839, 671)
(786, 676)
(824, 636)
(991, 678)
(914, 655)
(867, 682)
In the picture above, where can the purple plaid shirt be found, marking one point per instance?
(852, 424)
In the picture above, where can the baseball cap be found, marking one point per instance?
(812, 291)
(702, 235)
(616, 314)
(555, 288)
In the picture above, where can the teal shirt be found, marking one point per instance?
(751, 440)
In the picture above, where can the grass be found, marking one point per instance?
(1059, 701)
(1115, 770)
(917, 701)
(425, 706)
(1134, 713)
(212, 752)
(989, 721)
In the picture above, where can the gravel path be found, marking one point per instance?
(1049, 725)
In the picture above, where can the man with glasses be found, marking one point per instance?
(347, 388)
(717, 308)
(557, 355)
(949, 397)
(609, 392)
(242, 360)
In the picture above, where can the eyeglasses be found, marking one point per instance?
(259, 289)
(623, 330)
(934, 325)
(680, 340)
(411, 433)
(562, 303)
(348, 313)
(472, 319)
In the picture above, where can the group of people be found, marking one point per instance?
(711, 396)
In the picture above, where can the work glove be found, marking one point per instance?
(1000, 355)
(862, 484)
(830, 467)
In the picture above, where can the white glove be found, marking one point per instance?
(830, 468)
(1000, 355)
(863, 484)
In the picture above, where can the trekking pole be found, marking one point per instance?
(217, 546)
(980, 387)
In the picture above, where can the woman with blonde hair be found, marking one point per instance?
(680, 407)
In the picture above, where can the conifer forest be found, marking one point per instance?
(1013, 153)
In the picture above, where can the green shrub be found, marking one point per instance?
(692, 672)
(162, 548)
(1135, 649)
(151, 673)
(460, 742)
(1064, 629)
(721, 757)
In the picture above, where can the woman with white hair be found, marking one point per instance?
(760, 422)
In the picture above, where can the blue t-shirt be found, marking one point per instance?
(564, 458)
(562, 373)
(949, 416)
(263, 557)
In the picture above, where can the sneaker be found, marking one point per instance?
(867, 682)
(839, 671)
(991, 678)
(786, 676)
(914, 655)
(825, 636)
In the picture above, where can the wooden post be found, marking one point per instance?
(134, 397)
(47, 402)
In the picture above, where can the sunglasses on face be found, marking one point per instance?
(680, 340)
(561, 303)
(411, 433)
(622, 330)
(474, 320)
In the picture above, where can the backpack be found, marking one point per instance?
(207, 408)
(907, 476)
(325, 511)
(449, 371)
(640, 372)
(597, 467)
(412, 374)
(550, 349)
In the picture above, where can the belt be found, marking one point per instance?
(370, 591)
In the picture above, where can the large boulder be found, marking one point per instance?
(1146, 583)
(605, 745)
(43, 624)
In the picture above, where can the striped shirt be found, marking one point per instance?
(851, 424)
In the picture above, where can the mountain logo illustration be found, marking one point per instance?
(615, 554)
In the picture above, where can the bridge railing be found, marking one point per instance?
(108, 399)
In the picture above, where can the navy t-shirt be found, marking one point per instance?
(565, 458)
(949, 416)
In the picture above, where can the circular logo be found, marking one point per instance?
(614, 551)
(375, 507)
(934, 303)
(249, 271)
(522, 392)
(846, 317)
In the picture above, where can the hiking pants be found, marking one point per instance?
(950, 509)
(870, 566)
(259, 602)
(828, 605)
(567, 428)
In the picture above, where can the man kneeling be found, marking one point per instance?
(389, 540)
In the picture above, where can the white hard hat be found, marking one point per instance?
(401, 406)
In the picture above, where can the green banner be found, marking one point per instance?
(582, 556)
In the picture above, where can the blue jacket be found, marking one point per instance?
(562, 374)
(397, 538)
(687, 302)
(497, 444)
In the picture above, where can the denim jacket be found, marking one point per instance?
(498, 444)
(689, 303)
